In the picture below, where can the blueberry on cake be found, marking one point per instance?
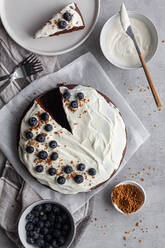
(72, 139)
(69, 19)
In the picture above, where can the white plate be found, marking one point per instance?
(22, 18)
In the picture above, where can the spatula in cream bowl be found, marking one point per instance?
(126, 24)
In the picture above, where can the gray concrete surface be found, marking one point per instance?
(108, 227)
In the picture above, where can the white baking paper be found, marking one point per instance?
(84, 70)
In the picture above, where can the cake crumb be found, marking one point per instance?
(125, 238)
(140, 241)
(142, 179)
(137, 224)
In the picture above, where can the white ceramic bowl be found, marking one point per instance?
(146, 21)
(135, 184)
(23, 221)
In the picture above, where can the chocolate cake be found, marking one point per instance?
(72, 139)
(67, 20)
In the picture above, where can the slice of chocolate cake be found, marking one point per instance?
(67, 20)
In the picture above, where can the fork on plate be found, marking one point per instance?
(27, 67)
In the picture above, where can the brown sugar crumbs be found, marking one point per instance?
(128, 198)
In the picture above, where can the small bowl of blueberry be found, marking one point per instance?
(46, 224)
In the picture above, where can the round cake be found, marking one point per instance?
(72, 139)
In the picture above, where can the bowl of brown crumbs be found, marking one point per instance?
(128, 197)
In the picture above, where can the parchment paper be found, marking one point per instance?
(84, 70)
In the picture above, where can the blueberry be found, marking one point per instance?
(61, 180)
(47, 207)
(29, 149)
(30, 216)
(30, 240)
(68, 169)
(64, 233)
(67, 16)
(52, 217)
(61, 240)
(40, 224)
(78, 179)
(92, 172)
(35, 235)
(64, 216)
(29, 135)
(41, 236)
(52, 171)
(62, 24)
(37, 229)
(56, 233)
(58, 225)
(39, 168)
(80, 95)
(47, 245)
(66, 94)
(65, 227)
(44, 230)
(81, 167)
(40, 242)
(44, 116)
(37, 208)
(29, 226)
(59, 219)
(48, 224)
(48, 237)
(56, 210)
(43, 217)
(54, 243)
(36, 213)
(40, 138)
(54, 156)
(43, 155)
(35, 220)
(48, 127)
(32, 121)
(74, 104)
(53, 144)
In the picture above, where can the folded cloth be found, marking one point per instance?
(15, 193)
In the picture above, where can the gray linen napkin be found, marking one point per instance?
(15, 194)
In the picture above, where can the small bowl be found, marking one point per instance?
(22, 223)
(132, 183)
(146, 21)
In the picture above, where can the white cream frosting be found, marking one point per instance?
(51, 27)
(98, 140)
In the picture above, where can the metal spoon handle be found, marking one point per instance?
(4, 77)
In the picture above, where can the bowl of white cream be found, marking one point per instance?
(118, 47)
